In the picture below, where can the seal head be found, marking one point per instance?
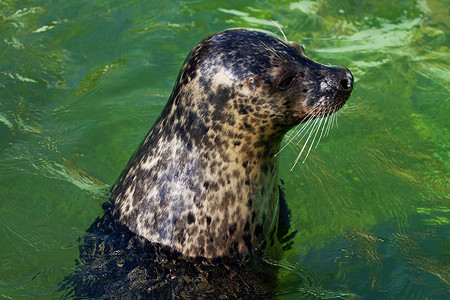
(205, 179)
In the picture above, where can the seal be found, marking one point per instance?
(204, 181)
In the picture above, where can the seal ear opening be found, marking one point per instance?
(251, 83)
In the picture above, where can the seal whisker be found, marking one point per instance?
(330, 125)
(295, 134)
(289, 139)
(310, 123)
(291, 132)
(330, 118)
(304, 130)
(320, 120)
(336, 119)
(333, 115)
(330, 122)
(304, 145)
(268, 48)
(310, 131)
(281, 30)
(323, 129)
(305, 124)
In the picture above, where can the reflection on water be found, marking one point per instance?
(82, 82)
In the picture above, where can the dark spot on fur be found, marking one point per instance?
(242, 110)
(235, 247)
(180, 238)
(245, 164)
(208, 220)
(232, 229)
(218, 141)
(229, 198)
(206, 185)
(247, 181)
(247, 226)
(214, 186)
(190, 218)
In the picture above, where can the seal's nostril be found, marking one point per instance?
(345, 85)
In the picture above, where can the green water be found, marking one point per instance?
(81, 83)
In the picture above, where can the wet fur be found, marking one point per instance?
(118, 264)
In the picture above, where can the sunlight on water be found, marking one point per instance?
(82, 82)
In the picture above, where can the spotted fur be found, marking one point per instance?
(204, 180)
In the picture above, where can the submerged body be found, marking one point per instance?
(204, 180)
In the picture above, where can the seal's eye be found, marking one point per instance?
(286, 82)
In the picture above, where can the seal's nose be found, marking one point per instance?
(346, 81)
